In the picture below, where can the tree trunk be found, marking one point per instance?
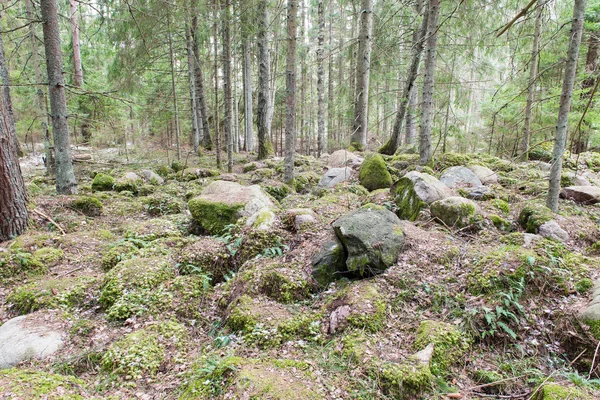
(227, 96)
(192, 84)
(78, 77)
(565, 105)
(216, 72)
(65, 176)
(330, 81)
(205, 138)
(525, 140)
(265, 148)
(411, 117)
(174, 89)
(13, 196)
(247, 72)
(433, 13)
(409, 88)
(363, 70)
(290, 92)
(320, 83)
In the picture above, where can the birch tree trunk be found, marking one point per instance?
(265, 148)
(526, 139)
(290, 92)
(433, 13)
(65, 176)
(320, 82)
(363, 70)
(565, 105)
(78, 78)
(227, 86)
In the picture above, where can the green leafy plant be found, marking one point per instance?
(275, 251)
(232, 240)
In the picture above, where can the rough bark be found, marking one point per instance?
(7, 100)
(409, 89)
(216, 73)
(363, 72)
(227, 86)
(205, 137)
(526, 139)
(330, 79)
(565, 105)
(192, 85)
(320, 82)
(65, 176)
(173, 89)
(411, 117)
(13, 196)
(265, 148)
(247, 83)
(425, 150)
(290, 92)
(78, 77)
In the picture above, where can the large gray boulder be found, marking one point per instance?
(485, 175)
(582, 194)
(454, 211)
(372, 237)
(414, 191)
(334, 176)
(222, 203)
(343, 158)
(26, 337)
(329, 263)
(459, 176)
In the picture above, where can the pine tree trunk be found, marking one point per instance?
(409, 88)
(192, 84)
(363, 71)
(433, 13)
(174, 89)
(330, 81)
(247, 72)
(13, 196)
(320, 82)
(290, 92)
(65, 176)
(411, 117)
(565, 105)
(78, 77)
(205, 137)
(227, 86)
(216, 73)
(265, 148)
(525, 140)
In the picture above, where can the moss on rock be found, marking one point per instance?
(49, 256)
(88, 205)
(406, 380)
(206, 255)
(373, 173)
(554, 391)
(534, 215)
(455, 211)
(103, 183)
(163, 204)
(449, 344)
(500, 223)
(121, 251)
(17, 383)
(214, 216)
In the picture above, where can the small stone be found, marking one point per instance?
(334, 176)
(454, 211)
(459, 176)
(343, 158)
(151, 177)
(552, 230)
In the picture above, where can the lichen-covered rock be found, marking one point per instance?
(130, 182)
(414, 191)
(582, 194)
(372, 237)
(335, 176)
(552, 230)
(88, 205)
(262, 220)
(533, 215)
(222, 203)
(449, 344)
(485, 175)
(343, 158)
(26, 337)
(459, 176)
(373, 173)
(18, 383)
(454, 211)
(103, 182)
(151, 177)
(143, 352)
(329, 263)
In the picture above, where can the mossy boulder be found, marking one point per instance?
(407, 379)
(130, 182)
(456, 212)
(329, 263)
(208, 256)
(222, 203)
(103, 183)
(304, 181)
(414, 191)
(555, 391)
(459, 176)
(372, 237)
(88, 205)
(373, 173)
(359, 305)
(450, 344)
(500, 223)
(533, 215)
(18, 383)
(279, 190)
(121, 251)
(49, 256)
(145, 351)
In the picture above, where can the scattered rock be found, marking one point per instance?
(485, 175)
(222, 203)
(460, 176)
(129, 182)
(374, 174)
(581, 194)
(529, 239)
(552, 230)
(479, 193)
(450, 344)
(571, 179)
(262, 220)
(343, 158)
(338, 317)
(103, 182)
(329, 263)
(591, 314)
(299, 218)
(334, 176)
(414, 191)
(533, 215)
(26, 337)
(372, 236)
(454, 211)
(151, 177)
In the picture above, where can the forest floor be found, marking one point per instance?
(150, 308)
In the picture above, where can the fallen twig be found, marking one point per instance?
(41, 214)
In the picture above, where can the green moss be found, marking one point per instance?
(177, 166)
(117, 253)
(368, 309)
(304, 181)
(143, 352)
(19, 262)
(448, 160)
(162, 204)
(373, 173)
(501, 205)
(584, 285)
(459, 213)
(162, 170)
(554, 391)
(210, 376)
(281, 286)
(406, 380)
(88, 205)
(33, 189)
(213, 216)
(249, 167)
(207, 256)
(501, 223)
(129, 185)
(408, 203)
(20, 383)
(48, 255)
(485, 377)
(103, 182)
(533, 215)
(279, 192)
(449, 344)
